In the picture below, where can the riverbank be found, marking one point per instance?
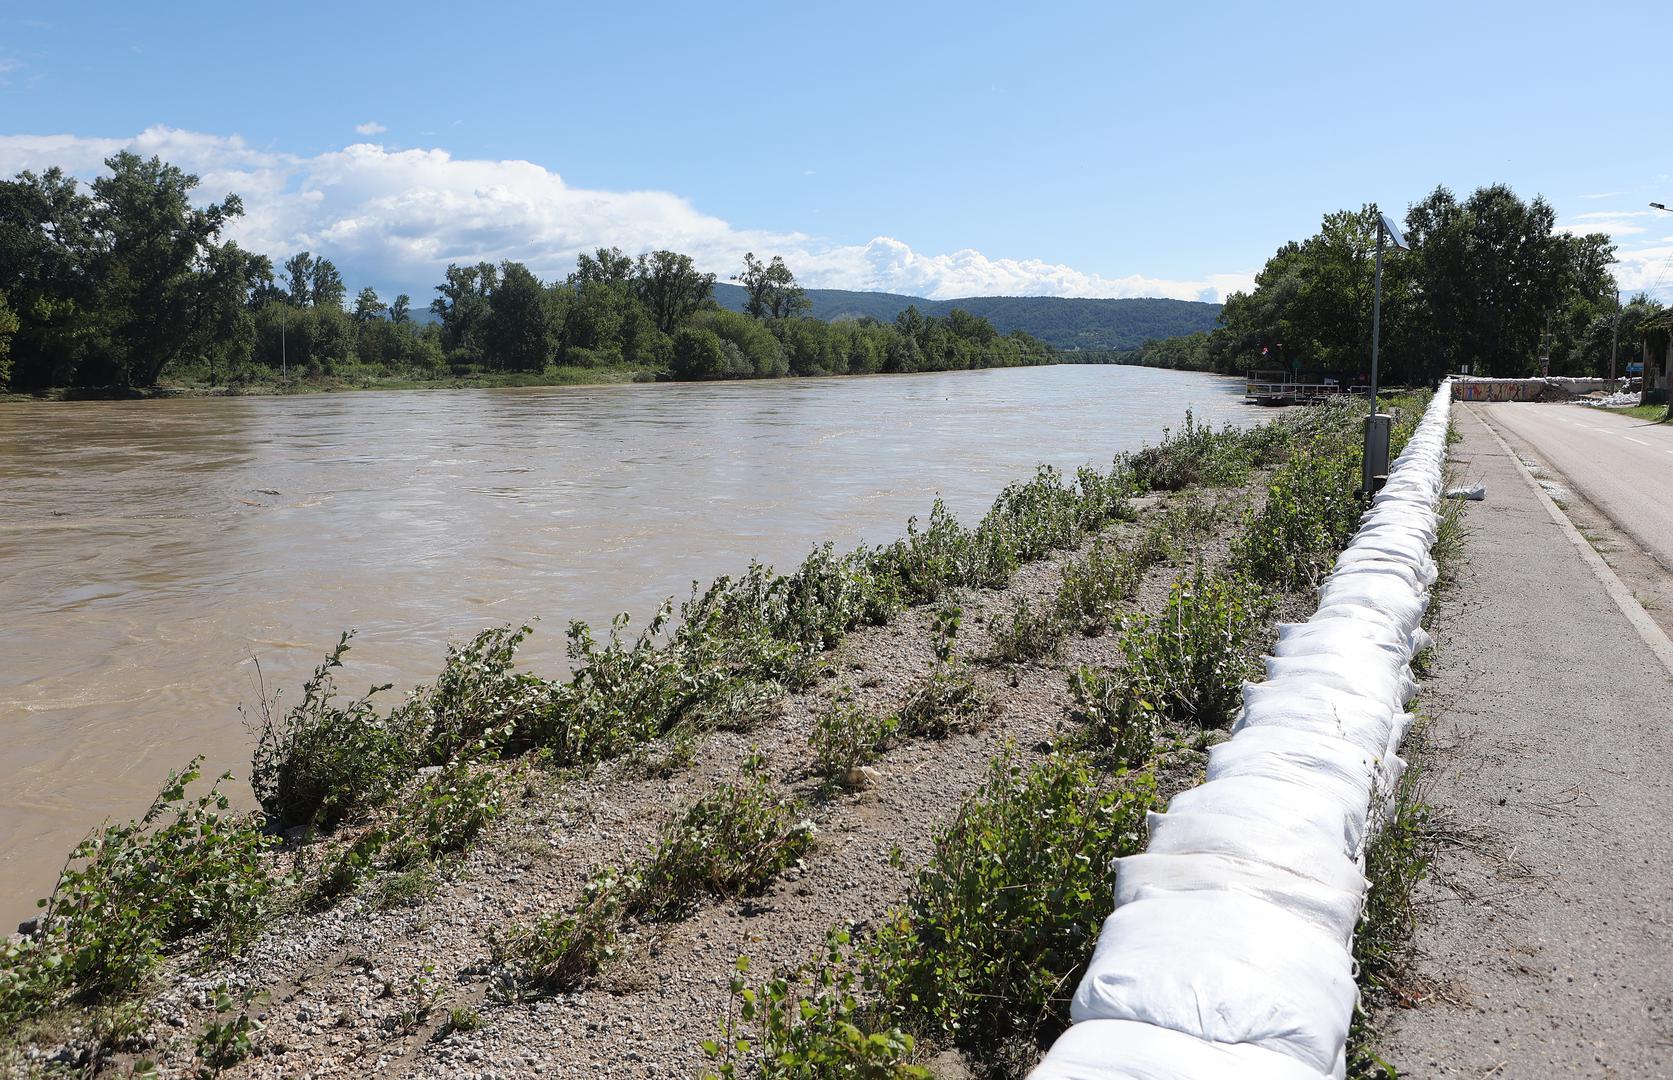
(412, 969)
(175, 388)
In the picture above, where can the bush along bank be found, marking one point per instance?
(387, 806)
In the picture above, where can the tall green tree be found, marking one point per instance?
(299, 276)
(152, 261)
(605, 266)
(367, 306)
(517, 335)
(773, 292)
(325, 285)
(400, 312)
(463, 305)
(8, 327)
(670, 287)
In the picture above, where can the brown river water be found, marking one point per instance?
(151, 552)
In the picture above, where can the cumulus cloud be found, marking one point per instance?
(1643, 247)
(370, 127)
(398, 216)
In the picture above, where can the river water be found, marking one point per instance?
(152, 552)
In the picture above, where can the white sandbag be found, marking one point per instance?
(1315, 812)
(1299, 639)
(1130, 1050)
(1256, 841)
(1304, 705)
(1224, 967)
(1335, 911)
(1381, 678)
(1420, 576)
(1267, 751)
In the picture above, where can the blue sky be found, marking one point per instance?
(942, 149)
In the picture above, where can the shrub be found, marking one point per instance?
(1188, 663)
(1196, 455)
(809, 1025)
(323, 760)
(845, 737)
(1095, 586)
(129, 891)
(731, 842)
(946, 700)
(1311, 511)
(1025, 634)
(478, 702)
(556, 952)
(1002, 919)
(1115, 724)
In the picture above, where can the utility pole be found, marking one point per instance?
(284, 357)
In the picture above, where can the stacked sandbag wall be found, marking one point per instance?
(1229, 953)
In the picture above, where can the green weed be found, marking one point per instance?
(1188, 663)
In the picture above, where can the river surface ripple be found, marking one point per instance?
(151, 552)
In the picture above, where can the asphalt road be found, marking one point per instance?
(1622, 465)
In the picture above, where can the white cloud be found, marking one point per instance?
(1643, 247)
(396, 217)
(370, 127)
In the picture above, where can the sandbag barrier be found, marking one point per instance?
(1229, 952)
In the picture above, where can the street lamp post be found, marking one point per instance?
(1375, 458)
(1643, 386)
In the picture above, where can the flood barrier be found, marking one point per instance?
(1229, 952)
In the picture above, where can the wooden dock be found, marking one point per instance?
(1264, 392)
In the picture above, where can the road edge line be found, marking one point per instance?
(1652, 634)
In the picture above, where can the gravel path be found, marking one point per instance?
(1544, 943)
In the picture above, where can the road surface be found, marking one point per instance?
(1622, 465)
(1544, 944)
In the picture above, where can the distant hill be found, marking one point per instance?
(1057, 321)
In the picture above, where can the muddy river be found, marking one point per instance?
(151, 553)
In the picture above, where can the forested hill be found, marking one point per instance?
(1059, 322)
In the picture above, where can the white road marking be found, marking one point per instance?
(1640, 442)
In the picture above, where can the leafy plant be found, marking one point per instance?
(224, 1043)
(1001, 920)
(845, 737)
(1095, 586)
(1025, 634)
(1310, 512)
(129, 891)
(327, 757)
(559, 952)
(1115, 724)
(946, 700)
(731, 842)
(1188, 663)
(809, 1024)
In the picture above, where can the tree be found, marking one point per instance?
(400, 312)
(669, 285)
(773, 292)
(463, 305)
(8, 327)
(605, 266)
(325, 285)
(367, 306)
(299, 273)
(152, 253)
(517, 335)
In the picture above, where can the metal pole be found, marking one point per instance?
(1376, 314)
(284, 358)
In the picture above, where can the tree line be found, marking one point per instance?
(122, 282)
(1489, 284)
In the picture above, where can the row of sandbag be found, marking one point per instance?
(1229, 953)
